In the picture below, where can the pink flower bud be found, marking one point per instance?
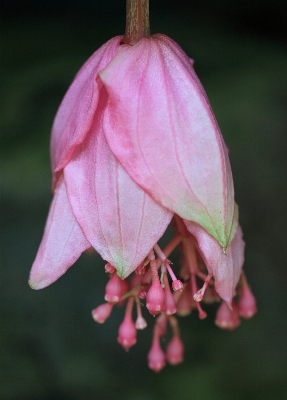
(226, 318)
(127, 334)
(155, 298)
(170, 305)
(246, 303)
(140, 323)
(102, 312)
(175, 351)
(156, 357)
(177, 285)
(109, 268)
(114, 289)
(185, 303)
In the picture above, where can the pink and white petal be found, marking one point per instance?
(225, 268)
(187, 62)
(62, 243)
(160, 127)
(75, 114)
(120, 220)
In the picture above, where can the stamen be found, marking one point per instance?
(172, 245)
(190, 254)
(140, 321)
(176, 283)
(201, 314)
(140, 270)
(199, 295)
(159, 252)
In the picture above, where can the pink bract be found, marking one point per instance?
(159, 125)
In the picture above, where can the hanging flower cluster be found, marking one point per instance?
(150, 283)
(135, 146)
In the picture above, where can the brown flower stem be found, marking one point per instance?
(137, 21)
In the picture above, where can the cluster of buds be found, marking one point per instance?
(165, 296)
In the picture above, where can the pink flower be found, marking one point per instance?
(135, 141)
(134, 145)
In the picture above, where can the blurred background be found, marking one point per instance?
(50, 348)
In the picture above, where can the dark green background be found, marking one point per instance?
(50, 348)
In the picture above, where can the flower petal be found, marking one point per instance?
(120, 220)
(75, 114)
(62, 243)
(159, 125)
(225, 268)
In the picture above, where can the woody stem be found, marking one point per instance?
(137, 21)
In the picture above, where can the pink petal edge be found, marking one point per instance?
(75, 114)
(62, 243)
(226, 268)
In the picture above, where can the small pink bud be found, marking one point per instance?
(156, 357)
(175, 351)
(140, 323)
(246, 303)
(160, 325)
(170, 304)
(109, 268)
(114, 290)
(155, 298)
(125, 288)
(226, 318)
(177, 285)
(127, 334)
(185, 303)
(102, 312)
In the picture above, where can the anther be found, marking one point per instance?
(201, 313)
(199, 295)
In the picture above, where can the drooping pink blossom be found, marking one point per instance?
(134, 145)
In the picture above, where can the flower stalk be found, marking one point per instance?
(137, 21)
